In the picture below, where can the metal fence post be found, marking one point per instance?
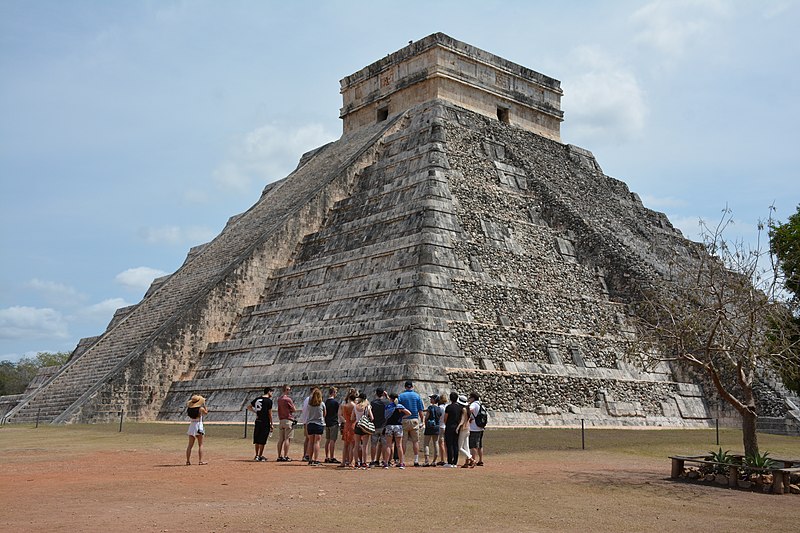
(245, 423)
(583, 436)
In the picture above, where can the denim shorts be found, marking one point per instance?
(394, 431)
(315, 429)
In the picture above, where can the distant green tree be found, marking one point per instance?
(15, 377)
(44, 359)
(785, 246)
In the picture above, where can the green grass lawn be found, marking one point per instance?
(229, 437)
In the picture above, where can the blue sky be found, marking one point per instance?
(131, 131)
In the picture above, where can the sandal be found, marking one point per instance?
(188, 463)
(479, 463)
(202, 463)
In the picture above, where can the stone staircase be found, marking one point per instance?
(135, 335)
(356, 306)
(788, 424)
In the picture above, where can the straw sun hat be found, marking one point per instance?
(196, 401)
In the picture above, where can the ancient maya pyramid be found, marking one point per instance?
(448, 237)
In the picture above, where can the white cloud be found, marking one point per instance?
(105, 309)
(738, 232)
(777, 8)
(176, 235)
(56, 293)
(660, 202)
(196, 196)
(672, 27)
(268, 153)
(138, 278)
(21, 322)
(689, 225)
(604, 102)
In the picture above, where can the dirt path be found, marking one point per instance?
(151, 490)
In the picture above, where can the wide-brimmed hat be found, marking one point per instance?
(196, 401)
(462, 400)
(434, 397)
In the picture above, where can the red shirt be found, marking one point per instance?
(285, 408)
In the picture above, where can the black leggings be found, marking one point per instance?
(451, 443)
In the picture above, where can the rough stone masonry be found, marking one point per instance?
(448, 237)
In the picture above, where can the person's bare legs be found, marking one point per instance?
(361, 449)
(330, 448)
(189, 450)
(286, 444)
(442, 450)
(200, 450)
(376, 451)
(401, 453)
(478, 452)
(387, 450)
(313, 448)
(414, 443)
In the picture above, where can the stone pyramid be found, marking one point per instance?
(448, 237)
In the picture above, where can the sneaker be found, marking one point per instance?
(441, 463)
(402, 466)
(426, 465)
(385, 465)
(256, 458)
(261, 459)
(306, 458)
(280, 459)
(335, 460)
(479, 463)
(417, 464)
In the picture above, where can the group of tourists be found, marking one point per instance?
(375, 432)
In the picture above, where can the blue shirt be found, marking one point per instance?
(412, 402)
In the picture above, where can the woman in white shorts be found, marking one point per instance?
(196, 410)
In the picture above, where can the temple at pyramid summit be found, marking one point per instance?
(449, 237)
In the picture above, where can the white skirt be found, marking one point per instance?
(196, 428)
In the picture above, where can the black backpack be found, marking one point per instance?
(482, 418)
(193, 412)
(432, 423)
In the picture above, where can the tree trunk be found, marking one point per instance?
(749, 419)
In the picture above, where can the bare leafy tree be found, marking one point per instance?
(722, 312)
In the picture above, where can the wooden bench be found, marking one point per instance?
(781, 475)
